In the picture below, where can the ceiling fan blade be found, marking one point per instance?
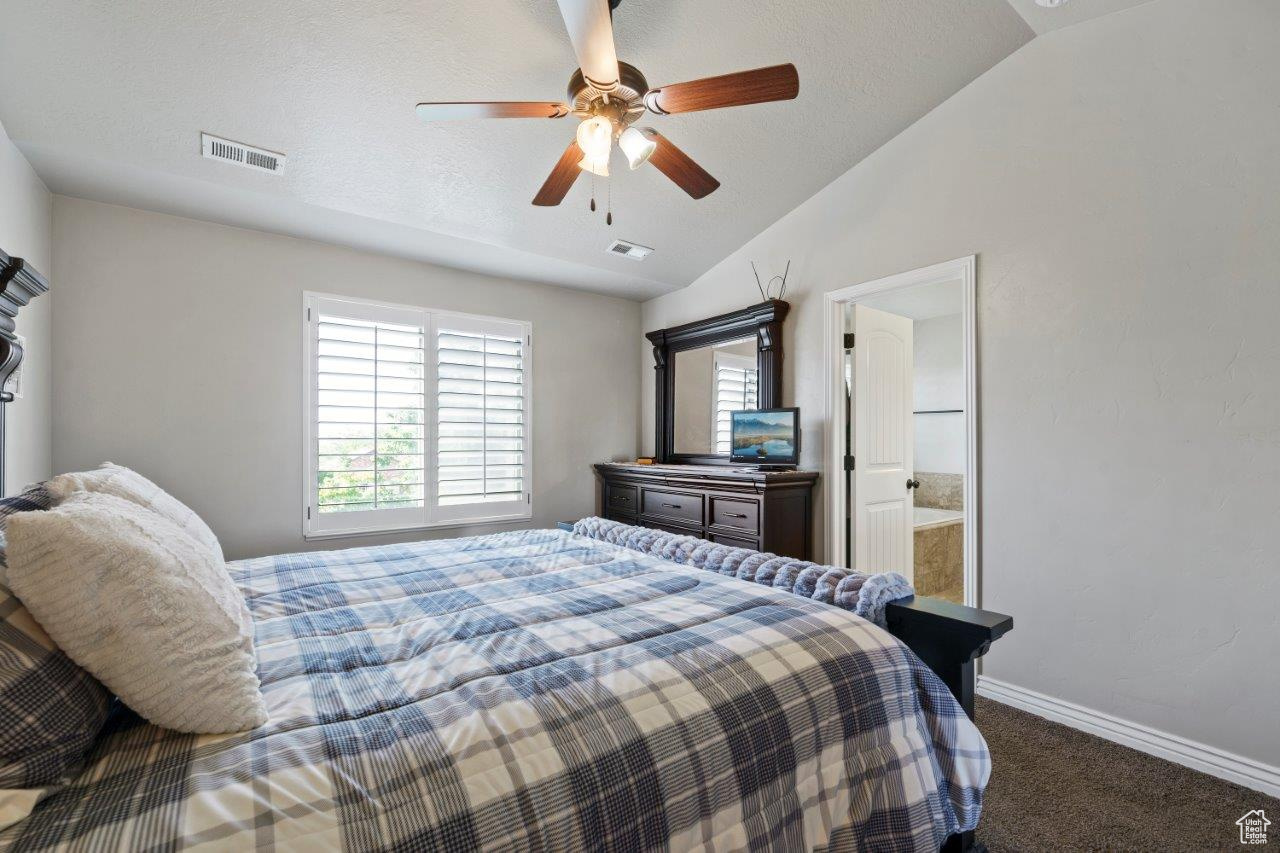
(453, 110)
(679, 166)
(590, 27)
(776, 83)
(561, 178)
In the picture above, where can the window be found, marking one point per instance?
(736, 387)
(415, 418)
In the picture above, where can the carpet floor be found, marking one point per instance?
(1054, 788)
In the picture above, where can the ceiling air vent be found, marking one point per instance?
(215, 148)
(629, 250)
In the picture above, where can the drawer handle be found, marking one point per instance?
(672, 506)
(619, 499)
(736, 514)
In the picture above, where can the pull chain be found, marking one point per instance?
(608, 218)
(593, 192)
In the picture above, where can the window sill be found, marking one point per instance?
(406, 528)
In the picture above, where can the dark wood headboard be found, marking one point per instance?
(19, 284)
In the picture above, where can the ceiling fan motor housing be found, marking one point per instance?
(623, 105)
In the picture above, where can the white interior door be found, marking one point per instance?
(882, 501)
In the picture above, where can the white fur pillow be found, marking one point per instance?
(144, 607)
(126, 483)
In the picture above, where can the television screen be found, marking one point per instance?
(770, 436)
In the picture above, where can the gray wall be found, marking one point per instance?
(26, 232)
(693, 396)
(939, 386)
(1120, 183)
(180, 353)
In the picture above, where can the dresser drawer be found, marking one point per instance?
(738, 514)
(673, 505)
(734, 541)
(624, 517)
(655, 524)
(620, 498)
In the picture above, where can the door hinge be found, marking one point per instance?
(848, 463)
(848, 340)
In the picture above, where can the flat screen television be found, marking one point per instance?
(765, 436)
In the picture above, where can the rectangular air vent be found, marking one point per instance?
(633, 251)
(239, 154)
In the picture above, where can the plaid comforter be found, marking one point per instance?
(539, 690)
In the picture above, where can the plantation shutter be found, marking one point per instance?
(416, 418)
(480, 415)
(736, 386)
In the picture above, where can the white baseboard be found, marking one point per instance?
(1198, 756)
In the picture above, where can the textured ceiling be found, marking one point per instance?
(108, 99)
(1043, 20)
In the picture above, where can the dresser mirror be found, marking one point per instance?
(706, 369)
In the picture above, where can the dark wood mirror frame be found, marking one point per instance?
(763, 321)
(19, 284)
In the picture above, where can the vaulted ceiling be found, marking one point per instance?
(1046, 19)
(108, 99)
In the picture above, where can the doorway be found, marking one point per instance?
(902, 459)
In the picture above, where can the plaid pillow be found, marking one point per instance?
(51, 710)
(33, 497)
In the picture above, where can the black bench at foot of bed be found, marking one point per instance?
(948, 638)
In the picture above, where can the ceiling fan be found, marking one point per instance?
(610, 96)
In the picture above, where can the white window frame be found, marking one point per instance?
(316, 525)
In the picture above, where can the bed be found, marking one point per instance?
(541, 690)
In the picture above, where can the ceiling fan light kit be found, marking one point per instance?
(610, 96)
(595, 138)
(636, 146)
(596, 166)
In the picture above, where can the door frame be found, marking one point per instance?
(964, 271)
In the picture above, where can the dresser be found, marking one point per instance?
(741, 507)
